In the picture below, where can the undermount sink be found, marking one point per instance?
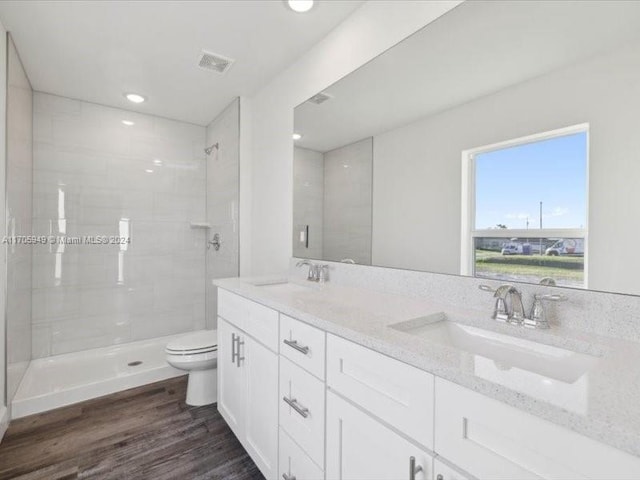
(282, 286)
(506, 351)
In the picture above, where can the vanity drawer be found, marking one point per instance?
(302, 344)
(395, 392)
(303, 419)
(257, 320)
(490, 439)
(294, 463)
(442, 471)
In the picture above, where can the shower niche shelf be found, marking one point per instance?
(200, 225)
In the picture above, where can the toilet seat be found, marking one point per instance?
(194, 343)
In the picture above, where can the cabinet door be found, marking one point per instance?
(261, 416)
(230, 379)
(492, 440)
(361, 448)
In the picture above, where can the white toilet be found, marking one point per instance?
(197, 353)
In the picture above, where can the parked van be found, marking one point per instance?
(566, 246)
(515, 248)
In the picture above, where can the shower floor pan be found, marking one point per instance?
(61, 380)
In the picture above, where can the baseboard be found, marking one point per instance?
(4, 421)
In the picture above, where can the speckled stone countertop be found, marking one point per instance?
(603, 404)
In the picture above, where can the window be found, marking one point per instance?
(525, 209)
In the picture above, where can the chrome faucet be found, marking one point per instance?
(517, 308)
(311, 276)
(509, 307)
(317, 272)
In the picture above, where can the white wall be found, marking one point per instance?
(19, 222)
(4, 415)
(222, 202)
(347, 202)
(418, 167)
(369, 31)
(91, 178)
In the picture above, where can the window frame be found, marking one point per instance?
(468, 228)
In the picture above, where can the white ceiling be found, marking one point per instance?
(476, 49)
(95, 51)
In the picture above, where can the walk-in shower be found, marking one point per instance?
(104, 307)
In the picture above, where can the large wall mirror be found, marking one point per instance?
(501, 141)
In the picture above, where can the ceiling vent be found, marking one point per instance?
(319, 98)
(214, 62)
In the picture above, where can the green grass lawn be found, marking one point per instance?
(530, 268)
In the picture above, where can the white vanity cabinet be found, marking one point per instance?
(360, 447)
(373, 404)
(230, 378)
(248, 378)
(397, 393)
(302, 400)
(492, 440)
(309, 405)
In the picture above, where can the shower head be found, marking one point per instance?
(208, 150)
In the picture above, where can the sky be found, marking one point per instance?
(511, 183)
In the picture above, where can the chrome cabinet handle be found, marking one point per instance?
(413, 469)
(293, 403)
(233, 348)
(294, 344)
(288, 477)
(238, 356)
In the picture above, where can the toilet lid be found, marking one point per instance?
(197, 342)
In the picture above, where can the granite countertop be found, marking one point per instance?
(603, 404)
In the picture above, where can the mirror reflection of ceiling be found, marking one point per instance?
(479, 48)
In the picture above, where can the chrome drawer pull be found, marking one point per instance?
(294, 344)
(413, 470)
(288, 477)
(233, 348)
(293, 403)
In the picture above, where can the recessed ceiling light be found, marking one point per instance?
(157, 162)
(128, 123)
(134, 97)
(300, 6)
(297, 136)
(148, 170)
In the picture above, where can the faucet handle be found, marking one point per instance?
(323, 273)
(500, 311)
(552, 297)
(537, 317)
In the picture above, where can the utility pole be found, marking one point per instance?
(541, 252)
(540, 215)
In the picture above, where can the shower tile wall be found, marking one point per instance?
(93, 175)
(348, 180)
(308, 190)
(19, 189)
(223, 177)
